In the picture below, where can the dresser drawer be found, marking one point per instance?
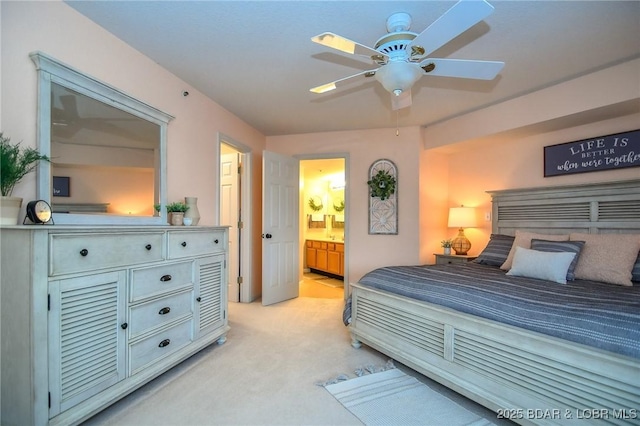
(161, 279)
(159, 345)
(87, 252)
(198, 243)
(153, 314)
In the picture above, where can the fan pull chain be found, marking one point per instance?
(397, 128)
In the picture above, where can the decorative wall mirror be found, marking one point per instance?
(107, 149)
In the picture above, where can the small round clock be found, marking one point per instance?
(38, 212)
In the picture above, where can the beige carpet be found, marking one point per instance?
(264, 374)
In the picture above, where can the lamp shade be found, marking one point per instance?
(462, 217)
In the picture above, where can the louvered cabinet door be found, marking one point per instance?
(211, 294)
(86, 337)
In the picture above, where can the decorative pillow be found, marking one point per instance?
(523, 239)
(607, 257)
(561, 246)
(541, 264)
(635, 273)
(496, 251)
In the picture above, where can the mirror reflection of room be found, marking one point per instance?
(323, 196)
(104, 157)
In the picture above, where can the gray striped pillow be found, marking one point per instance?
(496, 251)
(561, 246)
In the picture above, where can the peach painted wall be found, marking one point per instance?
(363, 251)
(434, 203)
(59, 31)
(501, 146)
(518, 163)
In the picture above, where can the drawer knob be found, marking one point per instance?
(198, 299)
(164, 311)
(124, 325)
(84, 252)
(148, 246)
(216, 241)
(164, 343)
(165, 278)
(184, 244)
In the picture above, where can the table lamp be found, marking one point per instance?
(461, 217)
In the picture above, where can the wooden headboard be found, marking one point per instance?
(611, 207)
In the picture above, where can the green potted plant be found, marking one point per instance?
(176, 211)
(15, 163)
(446, 245)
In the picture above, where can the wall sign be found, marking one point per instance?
(602, 153)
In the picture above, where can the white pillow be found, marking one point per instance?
(523, 239)
(550, 266)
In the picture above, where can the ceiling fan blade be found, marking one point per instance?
(341, 82)
(403, 100)
(348, 46)
(462, 16)
(462, 68)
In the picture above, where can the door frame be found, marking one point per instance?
(324, 156)
(246, 248)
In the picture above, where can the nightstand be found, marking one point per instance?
(448, 259)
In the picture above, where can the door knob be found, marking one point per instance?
(267, 235)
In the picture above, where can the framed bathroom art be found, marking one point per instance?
(383, 198)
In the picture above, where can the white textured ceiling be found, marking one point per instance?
(255, 58)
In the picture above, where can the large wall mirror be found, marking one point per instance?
(107, 149)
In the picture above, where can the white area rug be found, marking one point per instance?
(394, 398)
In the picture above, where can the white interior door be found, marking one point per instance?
(230, 216)
(280, 260)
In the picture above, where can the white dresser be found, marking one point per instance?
(89, 314)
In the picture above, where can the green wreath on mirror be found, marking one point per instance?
(340, 207)
(382, 185)
(315, 207)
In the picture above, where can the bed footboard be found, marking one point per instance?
(525, 376)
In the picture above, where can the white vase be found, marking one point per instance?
(9, 210)
(192, 212)
(447, 250)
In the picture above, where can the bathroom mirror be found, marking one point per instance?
(107, 150)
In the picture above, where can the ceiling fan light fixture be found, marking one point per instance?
(398, 76)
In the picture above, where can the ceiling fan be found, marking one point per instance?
(402, 56)
(66, 121)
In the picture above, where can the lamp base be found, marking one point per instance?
(461, 244)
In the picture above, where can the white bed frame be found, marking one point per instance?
(525, 376)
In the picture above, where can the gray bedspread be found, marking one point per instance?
(601, 315)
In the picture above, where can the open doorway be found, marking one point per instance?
(322, 227)
(234, 212)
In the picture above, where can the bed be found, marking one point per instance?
(534, 351)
